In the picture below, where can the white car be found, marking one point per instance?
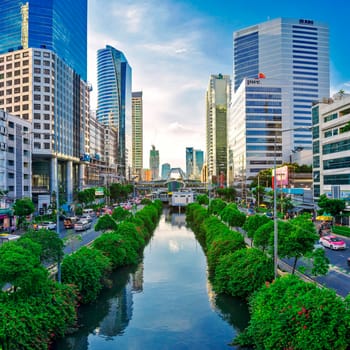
(49, 225)
(86, 217)
(332, 242)
(82, 225)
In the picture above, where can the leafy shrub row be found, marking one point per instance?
(38, 310)
(288, 313)
(233, 269)
(88, 268)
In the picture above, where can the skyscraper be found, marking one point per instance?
(154, 162)
(114, 100)
(189, 161)
(295, 53)
(137, 133)
(194, 163)
(217, 104)
(57, 25)
(43, 57)
(165, 170)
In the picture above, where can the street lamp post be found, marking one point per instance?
(58, 220)
(275, 223)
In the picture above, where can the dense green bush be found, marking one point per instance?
(106, 222)
(242, 272)
(111, 245)
(292, 314)
(216, 206)
(31, 322)
(222, 244)
(86, 269)
(341, 230)
(128, 231)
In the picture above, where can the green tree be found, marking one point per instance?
(225, 243)
(86, 196)
(292, 314)
(106, 223)
(296, 238)
(331, 206)
(252, 223)
(120, 214)
(22, 208)
(262, 235)
(243, 272)
(216, 206)
(20, 266)
(232, 216)
(87, 270)
(111, 245)
(203, 199)
(227, 194)
(51, 245)
(119, 192)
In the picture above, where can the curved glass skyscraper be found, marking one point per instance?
(114, 100)
(57, 25)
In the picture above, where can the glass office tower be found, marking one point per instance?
(294, 52)
(217, 105)
(114, 100)
(57, 25)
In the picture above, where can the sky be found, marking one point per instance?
(173, 46)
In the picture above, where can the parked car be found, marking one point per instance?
(49, 225)
(332, 242)
(82, 225)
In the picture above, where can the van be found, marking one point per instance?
(88, 212)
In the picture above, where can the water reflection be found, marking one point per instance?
(110, 314)
(166, 302)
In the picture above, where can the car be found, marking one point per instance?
(69, 222)
(269, 215)
(250, 212)
(49, 225)
(82, 225)
(86, 217)
(332, 242)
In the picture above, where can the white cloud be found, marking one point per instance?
(165, 45)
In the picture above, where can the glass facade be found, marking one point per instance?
(114, 100)
(58, 25)
(294, 53)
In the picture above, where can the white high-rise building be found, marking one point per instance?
(291, 54)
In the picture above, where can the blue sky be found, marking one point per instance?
(173, 46)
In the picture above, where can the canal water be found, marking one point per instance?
(165, 303)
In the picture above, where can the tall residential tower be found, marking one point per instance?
(137, 134)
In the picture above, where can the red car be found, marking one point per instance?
(332, 242)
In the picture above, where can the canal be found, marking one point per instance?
(166, 302)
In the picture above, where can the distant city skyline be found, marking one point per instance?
(174, 47)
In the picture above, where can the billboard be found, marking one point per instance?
(99, 191)
(281, 176)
